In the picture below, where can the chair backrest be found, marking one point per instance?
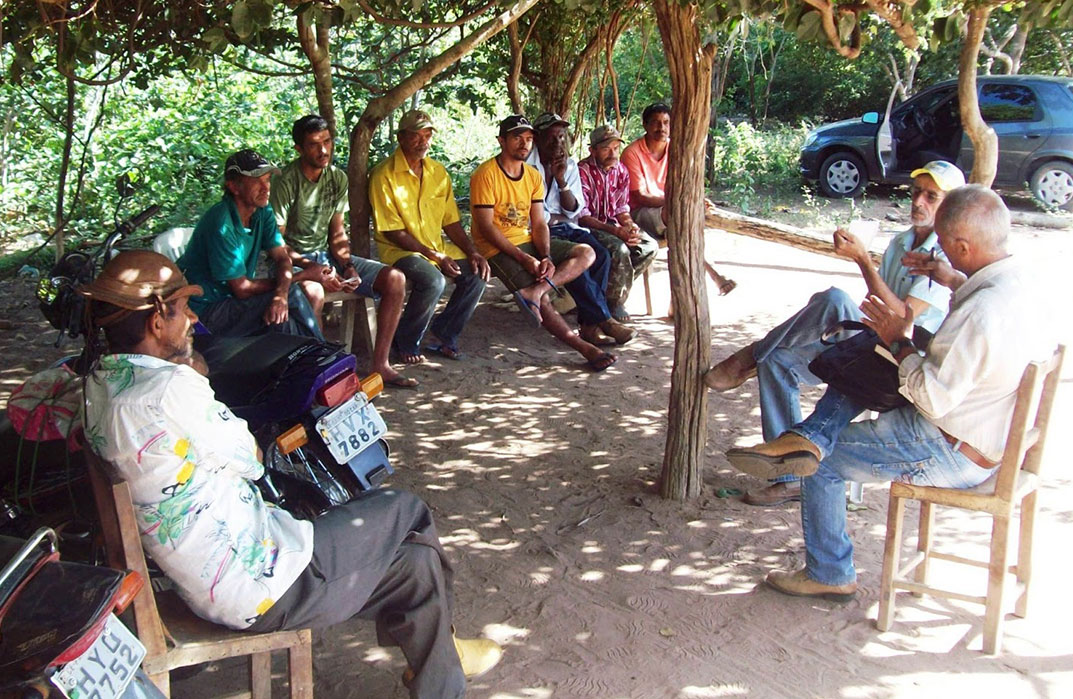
(172, 242)
(1031, 416)
(122, 541)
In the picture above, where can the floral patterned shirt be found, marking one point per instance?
(190, 463)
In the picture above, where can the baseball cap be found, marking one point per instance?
(515, 122)
(415, 120)
(137, 280)
(249, 163)
(602, 134)
(946, 175)
(548, 120)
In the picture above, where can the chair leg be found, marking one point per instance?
(261, 675)
(350, 310)
(891, 554)
(163, 683)
(1024, 552)
(996, 584)
(300, 657)
(927, 519)
(645, 277)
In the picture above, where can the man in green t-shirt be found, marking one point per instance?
(309, 198)
(223, 253)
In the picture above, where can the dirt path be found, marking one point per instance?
(542, 476)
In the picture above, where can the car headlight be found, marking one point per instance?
(810, 139)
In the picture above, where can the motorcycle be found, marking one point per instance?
(85, 651)
(322, 438)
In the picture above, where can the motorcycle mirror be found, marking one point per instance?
(126, 184)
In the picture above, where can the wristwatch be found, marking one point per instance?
(900, 344)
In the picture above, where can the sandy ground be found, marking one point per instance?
(542, 478)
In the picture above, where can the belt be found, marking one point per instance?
(969, 452)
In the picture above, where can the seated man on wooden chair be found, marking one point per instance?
(235, 560)
(309, 197)
(962, 388)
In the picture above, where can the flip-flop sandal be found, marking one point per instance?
(601, 362)
(401, 381)
(528, 307)
(447, 351)
(727, 286)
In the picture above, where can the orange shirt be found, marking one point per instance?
(647, 175)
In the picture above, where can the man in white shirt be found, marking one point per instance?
(235, 559)
(961, 389)
(564, 205)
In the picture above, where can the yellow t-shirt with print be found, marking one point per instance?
(510, 199)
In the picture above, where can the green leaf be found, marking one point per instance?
(811, 27)
(242, 20)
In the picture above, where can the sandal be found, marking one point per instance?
(601, 362)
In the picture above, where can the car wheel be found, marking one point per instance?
(1052, 184)
(842, 175)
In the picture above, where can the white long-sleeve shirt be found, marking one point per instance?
(967, 382)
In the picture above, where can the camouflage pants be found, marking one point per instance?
(627, 263)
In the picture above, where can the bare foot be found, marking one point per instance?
(412, 358)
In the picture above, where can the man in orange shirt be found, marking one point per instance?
(646, 161)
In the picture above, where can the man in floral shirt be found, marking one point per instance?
(235, 559)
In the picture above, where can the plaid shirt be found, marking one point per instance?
(606, 193)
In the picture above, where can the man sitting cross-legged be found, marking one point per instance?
(780, 360)
(962, 388)
(507, 201)
(234, 559)
(564, 205)
(413, 208)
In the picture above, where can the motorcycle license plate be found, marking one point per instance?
(106, 669)
(351, 427)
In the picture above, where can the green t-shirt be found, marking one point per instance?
(222, 249)
(306, 208)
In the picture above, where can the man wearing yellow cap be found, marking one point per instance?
(780, 360)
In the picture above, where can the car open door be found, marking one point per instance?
(885, 137)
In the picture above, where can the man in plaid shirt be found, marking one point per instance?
(605, 182)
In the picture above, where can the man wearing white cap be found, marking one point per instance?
(780, 360)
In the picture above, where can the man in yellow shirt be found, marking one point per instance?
(507, 202)
(413, 208)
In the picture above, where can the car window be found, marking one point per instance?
(1008, 103)
(926, 102)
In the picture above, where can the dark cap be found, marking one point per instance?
(548, 120)
(515, 122)
(603, 134)
(137, 280)
(249, 163)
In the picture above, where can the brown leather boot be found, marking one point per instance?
(732, 371)
(790, 454)
(799, 584)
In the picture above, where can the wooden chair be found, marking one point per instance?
(1015, 481)
(645, 278)
(172, 635)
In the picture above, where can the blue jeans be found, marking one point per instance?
(899, 445)
(782, 358)
(427, 283)
(588, 289)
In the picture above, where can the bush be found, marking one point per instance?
(746, 161)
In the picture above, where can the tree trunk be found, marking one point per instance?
(514, 77)
(690, 65)
(983, 137)
(316, 44)
(65, 164)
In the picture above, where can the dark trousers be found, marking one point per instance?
(588, 289)
(234, 317)
(379, 557)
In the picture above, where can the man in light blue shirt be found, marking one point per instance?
(780, 360)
